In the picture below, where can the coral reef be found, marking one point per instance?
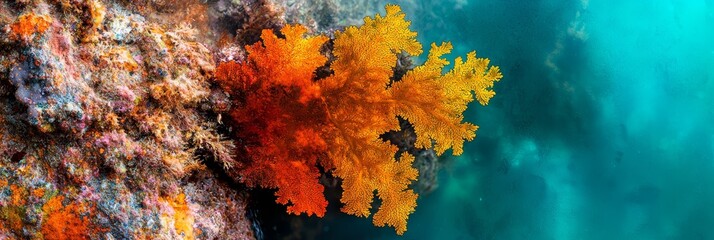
(155, 119)
(106, 118)
(289, 124)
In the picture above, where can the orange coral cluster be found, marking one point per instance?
(64, 222)
(278, 116)
(289, 123)
(29, 24)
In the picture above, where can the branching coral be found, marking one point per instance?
(289, 123)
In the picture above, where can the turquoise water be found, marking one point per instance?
(601, 127)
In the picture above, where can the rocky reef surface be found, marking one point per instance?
(111, 126)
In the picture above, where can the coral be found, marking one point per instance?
(440, 125)
(29, 24)
(108, 122)
(47, 81)
(278, 115)
(426, 160)
(64, 222)
(289, 123)
(181, 218)
(112, 128)
(97, 13)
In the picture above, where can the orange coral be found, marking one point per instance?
(289, 123)
(64, 222)
(18, 197)
(29, 24)
(181, 217)
(278, 116)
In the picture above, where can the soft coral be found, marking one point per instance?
(289, 124)
(278, 116)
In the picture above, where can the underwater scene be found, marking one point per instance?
(357, 119)
(600, 128)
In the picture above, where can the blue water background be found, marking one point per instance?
(601, 127)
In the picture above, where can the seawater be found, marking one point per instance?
(602, 126)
